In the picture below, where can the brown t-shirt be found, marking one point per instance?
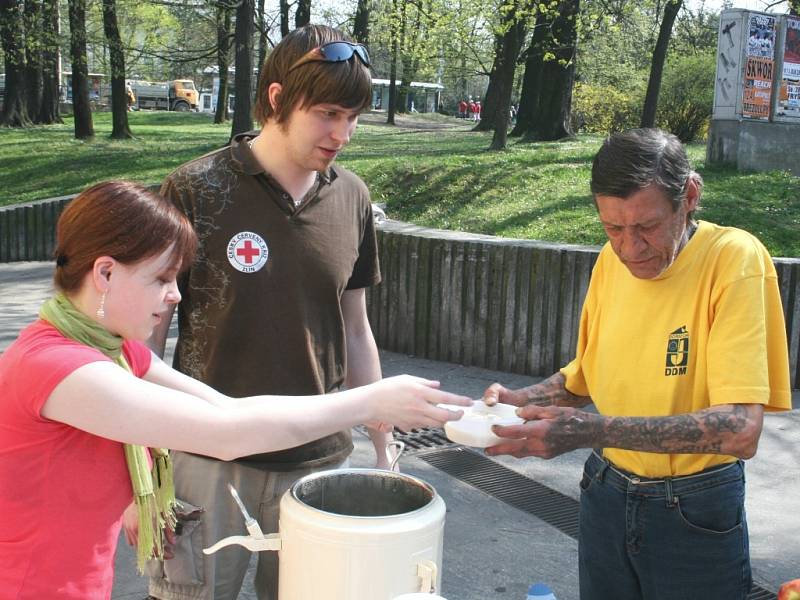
(261, 310)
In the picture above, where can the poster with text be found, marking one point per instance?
(789, 92)
(759, 67)
(791, 50)
(761, 38)
(758, 75)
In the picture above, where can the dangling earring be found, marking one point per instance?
(101, 312)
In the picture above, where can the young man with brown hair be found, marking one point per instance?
(275, 302)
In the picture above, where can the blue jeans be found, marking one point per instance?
(683, 538)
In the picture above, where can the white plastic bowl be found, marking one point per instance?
(475, 427)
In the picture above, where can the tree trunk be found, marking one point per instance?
(243, 38)
(15, 112)
(33, 57)
(409, 36)
(223, 60)
(506, 66)
(48, 109)
(532, 79)
(505, 45)
(403, 100)
(262, 34)
(558, 78)
(283, 7)
(657, 66)
(393, 65)
(80, 70)
(402, 94)
(489, 104)
(361, 22)
(302, 15)
(461, 82)
(119, 99)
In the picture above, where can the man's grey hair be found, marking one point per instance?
(637, 158)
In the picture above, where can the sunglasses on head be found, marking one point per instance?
(333, 52)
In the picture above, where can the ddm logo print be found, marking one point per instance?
(677, 352)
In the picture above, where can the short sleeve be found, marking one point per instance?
(138, 356)
(172, 190)
(44, 358)
(366, 271)
(573, 372)
(747, 348)
(574, 378)
(41, 369)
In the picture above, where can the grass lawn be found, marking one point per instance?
(431, 171)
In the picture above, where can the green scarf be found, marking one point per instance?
(153, 490)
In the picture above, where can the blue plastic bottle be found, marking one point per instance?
(540, 591)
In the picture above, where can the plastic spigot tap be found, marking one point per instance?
(252, 526)
(256, 541)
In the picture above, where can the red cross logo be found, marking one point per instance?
(248, 252)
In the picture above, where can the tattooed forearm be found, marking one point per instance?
(552, 392)
(729, 429)
(551, 430)
(573, 430)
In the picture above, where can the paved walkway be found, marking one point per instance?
(491, 550)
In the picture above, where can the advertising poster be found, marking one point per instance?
(759, 67)
(789, 93)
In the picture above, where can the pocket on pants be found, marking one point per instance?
(586, 481)
(186, 566)
(716, 511)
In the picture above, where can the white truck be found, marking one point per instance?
(178, 95)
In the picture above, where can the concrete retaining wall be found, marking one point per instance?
(28, 231)
(510, 305)
(504, 304)
(754, 145)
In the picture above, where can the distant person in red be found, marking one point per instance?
(476, 114)
(472, 109)
(462, 109)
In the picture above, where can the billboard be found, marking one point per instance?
(789, 92)
(759, 69)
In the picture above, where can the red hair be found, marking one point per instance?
(123, 220)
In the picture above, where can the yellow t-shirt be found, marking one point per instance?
(707, 331)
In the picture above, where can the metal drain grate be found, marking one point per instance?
(418, 440)
(425, 438)
(522, 492)
(511, 487)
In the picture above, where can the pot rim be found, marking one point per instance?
(292, 492)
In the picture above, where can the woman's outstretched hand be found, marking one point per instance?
(408, 402)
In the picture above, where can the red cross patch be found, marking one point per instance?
(247, 252)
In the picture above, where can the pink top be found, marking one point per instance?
(62, 490)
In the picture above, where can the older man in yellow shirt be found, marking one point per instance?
(682, 347)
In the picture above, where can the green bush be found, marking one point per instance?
(604, 109)
(687, 95)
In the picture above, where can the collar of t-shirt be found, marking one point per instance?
(243, 154)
